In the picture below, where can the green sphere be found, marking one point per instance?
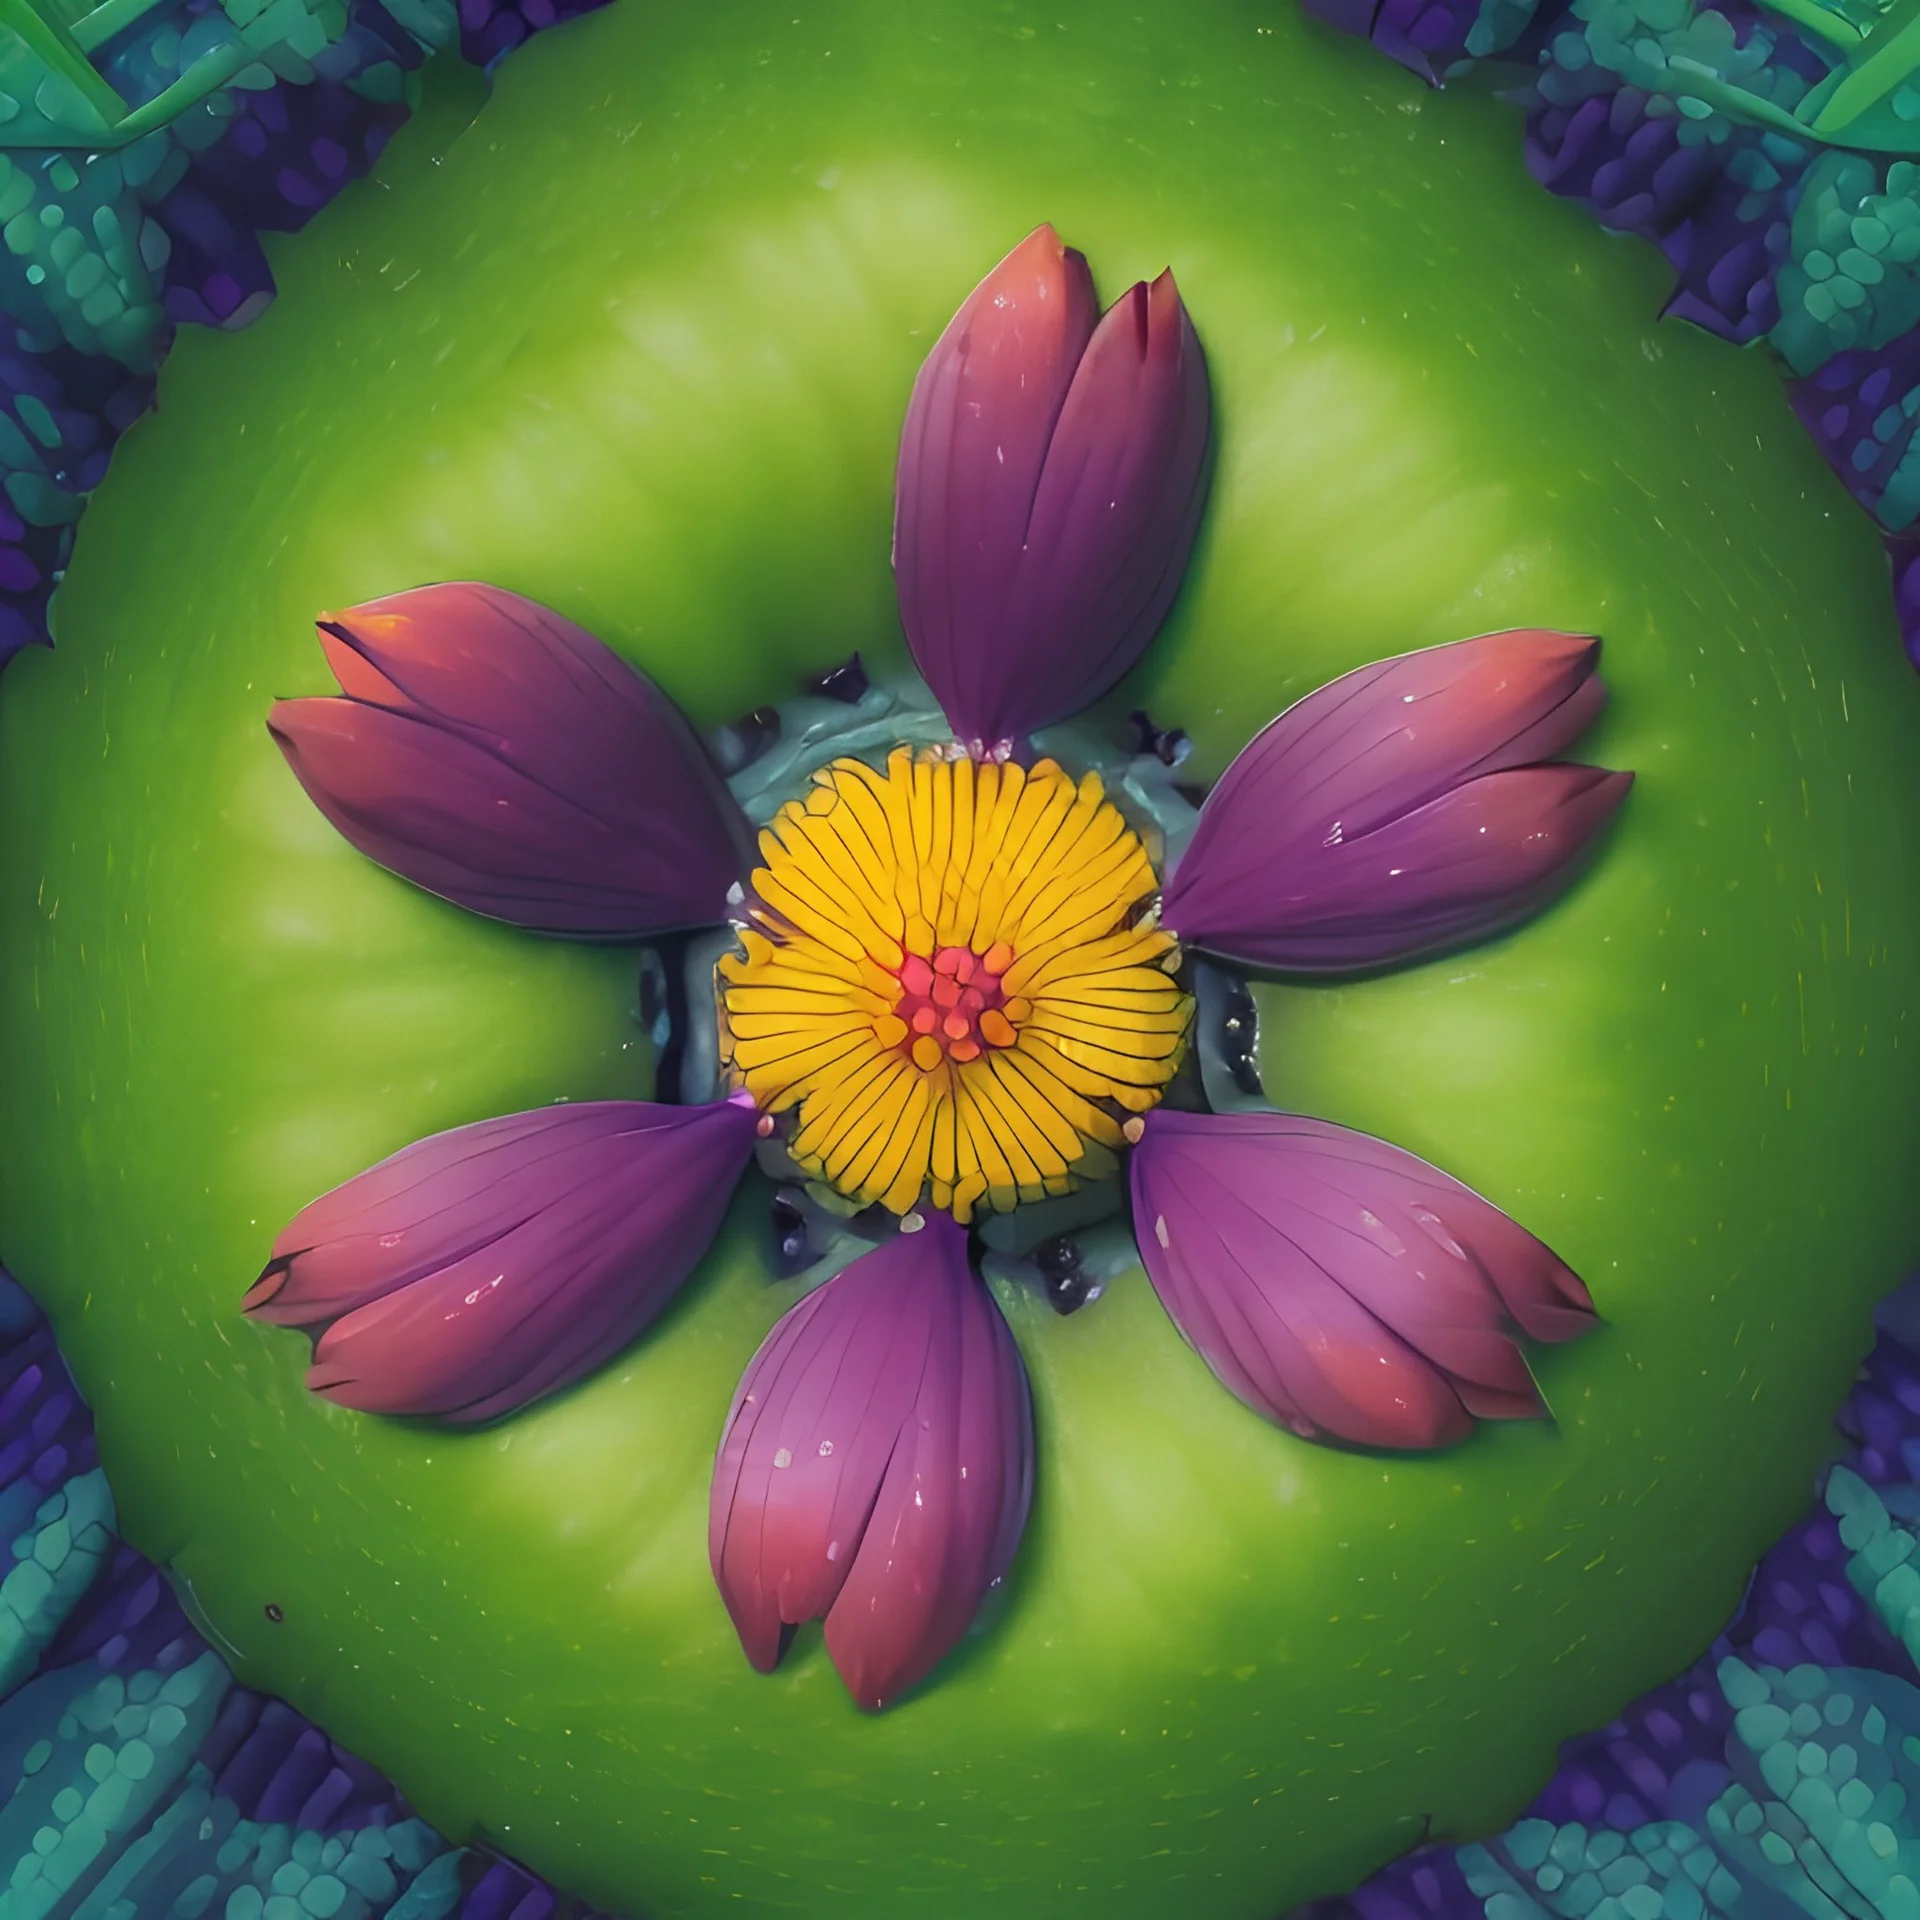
(634, 338)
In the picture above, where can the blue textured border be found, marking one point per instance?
(1693, 126)
(1780, 1776)
(138, 1779)
(104, 253)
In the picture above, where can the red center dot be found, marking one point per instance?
(951, 1006)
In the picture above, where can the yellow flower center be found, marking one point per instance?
(953, 974)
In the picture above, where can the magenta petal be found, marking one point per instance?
(877, 1466)
(502, 757)
(1051, 477)
(1400, 809)
(480, 1269)
(1339, 1285)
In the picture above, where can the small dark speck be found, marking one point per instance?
(847, 682)
(1069, 1286)
(274, 1614)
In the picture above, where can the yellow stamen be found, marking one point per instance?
(954, 979)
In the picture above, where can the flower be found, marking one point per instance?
(957, 986)
(951, 982)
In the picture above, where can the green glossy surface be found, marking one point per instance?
(637, 343)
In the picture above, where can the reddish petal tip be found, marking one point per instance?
(876, 1467)
(485, 1268)
(328, 1382)
(1589, 799)
(498, 755)
(1341, 1286)
(264, 1290)
(1573, 1290)
(1051, 469)
(1407, 807)
(1163, 302)
(349, 650)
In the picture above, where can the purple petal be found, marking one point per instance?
(1339, 1285)
(1052, 472)
(1400, 809)
(477, 1270)
(502, 757)
(877, 1466)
